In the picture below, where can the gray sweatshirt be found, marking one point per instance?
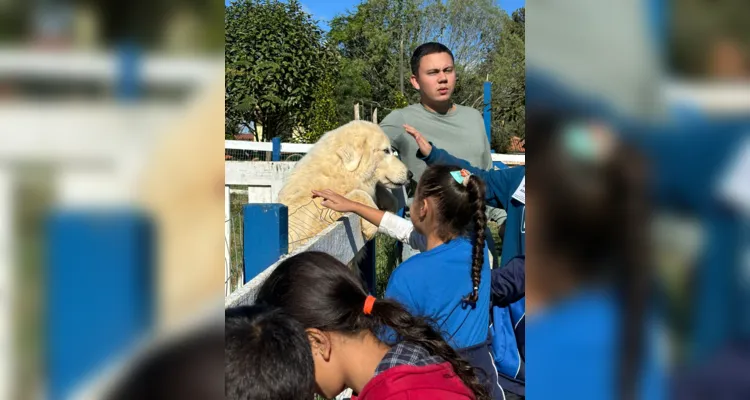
(460, 132)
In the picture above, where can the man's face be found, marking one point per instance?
(437, 77)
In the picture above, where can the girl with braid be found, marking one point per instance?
(449, 280)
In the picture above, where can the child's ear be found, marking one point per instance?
(425, 208)
(320, 343)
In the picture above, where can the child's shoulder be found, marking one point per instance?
(445, 253)
(415, 267)
(411, 265)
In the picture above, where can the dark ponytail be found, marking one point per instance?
(629, 173)
(388, 313)
(321, 292)
(476, 197)
(460, 212)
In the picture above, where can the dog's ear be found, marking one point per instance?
(350, 157)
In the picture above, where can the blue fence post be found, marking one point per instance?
(99, 295)
(487, 110)
(368, 266)
(659, 22)
(128, 84)
(265, 236)
(276, 154)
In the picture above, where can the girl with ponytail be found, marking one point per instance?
(344, 326)
(588, 291)
(448, 281)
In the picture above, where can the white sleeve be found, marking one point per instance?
(402, 230)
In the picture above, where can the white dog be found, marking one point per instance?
(354, 160)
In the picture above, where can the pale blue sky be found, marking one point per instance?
(325, 10)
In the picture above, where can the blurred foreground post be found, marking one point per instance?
(99, 304)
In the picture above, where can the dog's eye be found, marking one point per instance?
(387, 151)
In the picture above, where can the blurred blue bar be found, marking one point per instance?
(659, 23)
(99, 269)
(128, 84)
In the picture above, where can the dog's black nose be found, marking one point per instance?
(409, 175)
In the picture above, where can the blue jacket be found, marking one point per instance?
(508, 323)
(577, 339)
(509, 282)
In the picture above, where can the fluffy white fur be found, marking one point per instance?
(352, 160)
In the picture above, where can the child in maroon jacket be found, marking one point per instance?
(343, 324)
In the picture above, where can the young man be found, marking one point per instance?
(455, 128)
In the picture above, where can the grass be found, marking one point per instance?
(386, 260)
(496, 237)
(236, 201)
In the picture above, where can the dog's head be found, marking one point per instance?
(365, 151)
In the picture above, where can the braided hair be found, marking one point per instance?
(460, 210)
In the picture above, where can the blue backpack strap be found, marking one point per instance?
(518, 318)
(504, 347)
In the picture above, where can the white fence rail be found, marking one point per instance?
(510, 159)
(266, 146)
(263, 180)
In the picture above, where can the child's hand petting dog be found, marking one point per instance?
(334, 201)
(424, 146)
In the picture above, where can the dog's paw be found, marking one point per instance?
(361, 197)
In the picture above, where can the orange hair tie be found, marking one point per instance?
(369, 302)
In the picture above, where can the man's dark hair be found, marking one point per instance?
(267, 355)
(427, 49)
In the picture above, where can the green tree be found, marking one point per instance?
(323, 116)
(370, 42)
(469, 29)
(275, 59)
(377, 39)
(508, 76)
